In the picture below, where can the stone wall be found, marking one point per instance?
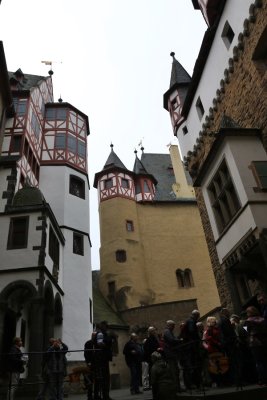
(241, 95)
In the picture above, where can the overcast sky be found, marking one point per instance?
(111, 60)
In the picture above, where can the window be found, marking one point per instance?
(121, 256)
(146, 187)
(53, 248)
(16, 143)
(200, 108)
(91, 310)
(81, 149)
(259, 169)
(77, 186)
(108, 183)
(60, 141)
(124, 183)
(129, 226)
(184, 278)
(72, 143)
(20, 106)
(223, 197)
(35, 125)
(227, 34)
(56, 114)
(78, 244)
(18, 233)
(185, 130)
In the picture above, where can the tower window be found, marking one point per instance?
(260, 53)
(121, 256)
(227, 34)
(200, 108)
(56, 114)
(35, 125)
(60, 141)
(129, 226)
(18, 233)
(125, 183)
(108, 183)
(78, 244)
(77, 186)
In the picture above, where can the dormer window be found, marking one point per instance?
(227, 34)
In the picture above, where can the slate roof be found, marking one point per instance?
(101, 309)
(178, 75)
(113, 161)
(28, 81)
(160, 166)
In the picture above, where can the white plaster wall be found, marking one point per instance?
(77, 287)
(20, 258)
(254, 215)
(69, 210)
(235, 12)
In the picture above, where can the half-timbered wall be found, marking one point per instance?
(120, 184)
(64, 139)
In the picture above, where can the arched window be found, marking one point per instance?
(180, 278)
(188, 279)
(184, 278)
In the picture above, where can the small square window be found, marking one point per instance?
(129, 226)
(227, 34)
(78, 244)
(108, 183)
(77, 186)
(18, 233)
(200, 108)
(121, 256)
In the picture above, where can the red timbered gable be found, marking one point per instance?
(116, 185)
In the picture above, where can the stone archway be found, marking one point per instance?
(15, 300)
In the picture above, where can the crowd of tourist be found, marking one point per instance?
(223, 350)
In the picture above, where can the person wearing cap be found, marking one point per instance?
(171, 351)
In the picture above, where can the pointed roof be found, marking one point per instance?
(178, 75)
(138, 166)
(113, 160)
